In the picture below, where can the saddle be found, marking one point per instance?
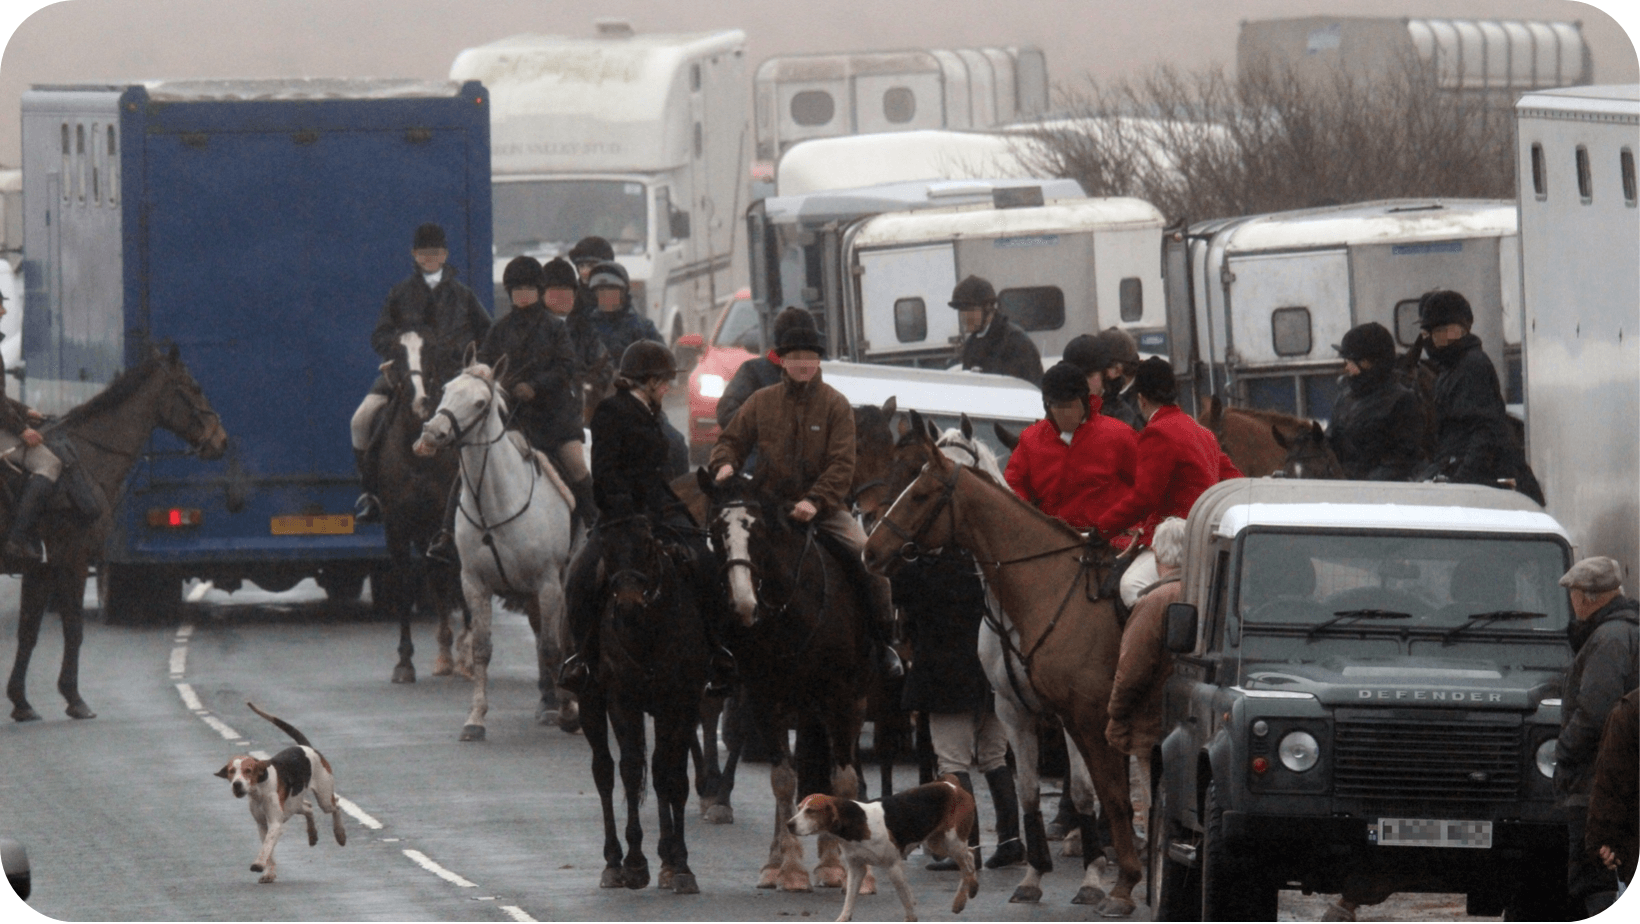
(77, 500)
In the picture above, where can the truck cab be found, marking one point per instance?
(1364, 699)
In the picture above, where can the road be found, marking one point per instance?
(124, 819)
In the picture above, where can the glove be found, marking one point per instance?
(523, 392)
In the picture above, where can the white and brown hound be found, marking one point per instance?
(278, 790)
(937, 815)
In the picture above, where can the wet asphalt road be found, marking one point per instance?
(124, 819)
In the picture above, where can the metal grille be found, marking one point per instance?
(1451, 764)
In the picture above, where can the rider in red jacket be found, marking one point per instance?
(1075, 462)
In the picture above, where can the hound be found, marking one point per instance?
(278, 789)
(937, 815)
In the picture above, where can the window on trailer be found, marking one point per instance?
(1034, 307)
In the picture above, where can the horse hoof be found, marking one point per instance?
(1089, 895)
(569, 725)
(769, 878)
(684, 884)
(637, 877)
(1026, 895)
(612, 878)
(544, 714)
(1114, 908)
(831, 877)
(664, 881)
(443, 666)
(24, 714)
(795, 881)
(868, 885)
(404, 673)
(472, 733)
(79, 710)
(720, 814)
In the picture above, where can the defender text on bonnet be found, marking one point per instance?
(1364, 700)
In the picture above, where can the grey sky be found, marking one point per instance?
(112, 40)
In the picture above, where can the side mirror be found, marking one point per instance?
(687, 349)
(679, 225)
(1181, 628)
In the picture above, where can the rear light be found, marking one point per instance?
(174, 517)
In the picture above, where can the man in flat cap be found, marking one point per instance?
(1605, 641)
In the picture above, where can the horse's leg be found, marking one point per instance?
(550, 646)
(724, 811)
(70, 583)
(445, 597)
(31, 609)
(1019, 724)
(709, 777)
(478, 600)
(394, 596)
(785, 865)
(1108, 767)
(673, 733)
(629, 731)
(841, 728)
(596, 719)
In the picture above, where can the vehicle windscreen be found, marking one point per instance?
(530, 214)
(1445, 586)
(741, 328)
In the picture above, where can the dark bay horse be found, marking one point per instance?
(108, 434)
(804, 654)
(1046, 576)
(652, 661)
(1252, 437)
(413, 490)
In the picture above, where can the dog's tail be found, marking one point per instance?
(284, 726)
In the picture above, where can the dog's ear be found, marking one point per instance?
(848, 820)
(227, 771)
(261, 770)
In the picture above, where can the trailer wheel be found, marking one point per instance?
(135, 595)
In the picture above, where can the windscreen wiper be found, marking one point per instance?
(1342, 615)
(1477, 619)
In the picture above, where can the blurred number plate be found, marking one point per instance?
(329, 524)
(1424, 832)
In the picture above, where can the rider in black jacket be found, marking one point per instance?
(993, 343)
(1377, 427)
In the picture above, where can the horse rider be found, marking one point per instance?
(23, 448)
(629, 460)
(1178, 459)
(540, 366)
(760, 371)
(619, 325)
(1377, 427)
(588, 252)
(431, 300)
(594, 372)
(1474, 441)
(1075, 462)
(1109, 358)
(992, 342)
(803, 431)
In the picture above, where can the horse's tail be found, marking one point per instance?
(284, 726)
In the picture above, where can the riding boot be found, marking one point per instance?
(881, 597)
(1010, 851)
(950, 863)
(20, 544)
(368, 508)
(581, 606)
(586, 506)
(443, 547)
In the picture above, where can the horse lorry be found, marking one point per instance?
(257, 225)
(642, 139)
(1364, 699)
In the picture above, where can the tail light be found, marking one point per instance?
(175, 517)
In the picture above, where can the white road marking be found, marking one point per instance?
(184, 631)
(358, 813)
(179, 661)
(421, 860)
(190, 698)
(198, 592)
(221, 727)
(516, 913)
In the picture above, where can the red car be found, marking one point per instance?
(736, 337)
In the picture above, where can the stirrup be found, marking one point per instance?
(443, 549)
(367, 509)
(573, 674)
(890, 664)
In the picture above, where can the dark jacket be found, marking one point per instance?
(804, 436)
(1123, 405)
(1003, 349)
(1614, 796)
(538, 352)
(13, 413)
(753, 374)
(1473, 441)
(629, 460)
(594, 368)
(943, 602)
(449, 312)
(1377, 427)
(1606, 666)
(618, 329)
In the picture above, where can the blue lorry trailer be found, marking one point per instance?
(258, 225)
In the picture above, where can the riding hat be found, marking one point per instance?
(1154, 381)
(646, 359)
(1442, 307)
(973, 292)
(559, 273)
(1367, 341)
(609, 274)
(523, 272)
(799, 337)
(1119, 344)
(429, 237)
(790, 318)
(1065, 381)
(593, 249)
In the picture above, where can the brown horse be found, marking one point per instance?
(1308, 454)
(107, 434)
(1046, 577)
(1252, 437)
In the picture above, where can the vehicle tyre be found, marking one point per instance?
(1540, 891)
(1174, 889)
(1234, 887)
(343, 585)
(137, 595)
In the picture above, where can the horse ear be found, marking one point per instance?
(500, 370)
(890, 406)
(904, 426)
(1281, 441)
(1215, 413)
(967, 427)
(1010, 440)
(470, 354)
(704, 479)
(1316, 433)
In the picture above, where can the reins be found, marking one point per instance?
(487, 529)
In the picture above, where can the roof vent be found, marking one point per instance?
(1431, 207)
(613, 28)
(1016, 197)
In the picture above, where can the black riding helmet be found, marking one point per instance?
(609, 274)
(790, 318)
(1369, 341)
(1442, 307)
(1065, 381)
(1086, 353)
(973, 292)
(1154, 381)
(593, 249)
(647, 359)
(799, 337)
(559, 273)
(523, 272)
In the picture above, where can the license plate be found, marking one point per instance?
(1426, 832)
(327, 524)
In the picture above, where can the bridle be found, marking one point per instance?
(459, 439)
(755, 510)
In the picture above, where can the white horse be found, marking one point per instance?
(1017, 705)
(513, 532)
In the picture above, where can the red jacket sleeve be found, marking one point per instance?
(1153, 469)
(1018, 472)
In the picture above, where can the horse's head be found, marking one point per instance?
(184, 410)
(907, 458)
(633, 565)
(914, 523)
(873, 457)
(470, 401)
(959, 444)
(736, 523)
(1308, 455)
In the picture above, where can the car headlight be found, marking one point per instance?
(711, 386)
(1299, 751)
(1546, 758)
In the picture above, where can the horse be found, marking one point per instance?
(413, 493)
(1252, 437)
(1046, 577)
(513, 531)
(107, 435)
(804, 655)
(652, 660)
(1308, 454)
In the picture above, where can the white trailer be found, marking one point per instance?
(854, 161)
(1257, 303)
(641, 139)
(1579, 237)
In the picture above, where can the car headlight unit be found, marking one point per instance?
(1299, 751)
(1546, 758)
